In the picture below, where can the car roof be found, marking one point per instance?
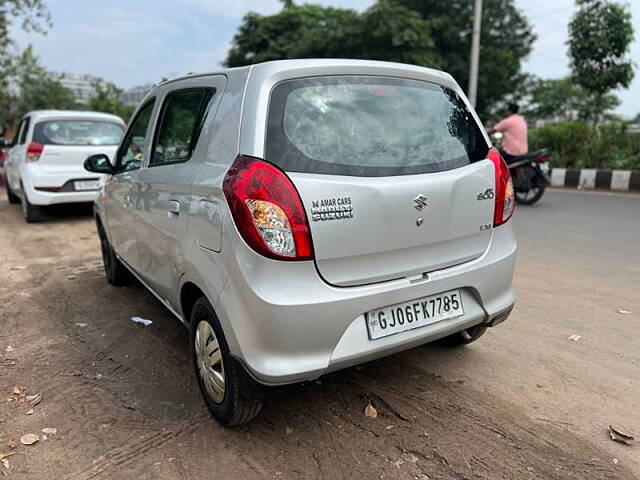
(319, 66)
(68, 114)
(286, 69)
(359, 66)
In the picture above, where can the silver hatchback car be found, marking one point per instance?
(303, 216)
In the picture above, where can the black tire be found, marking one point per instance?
(31, 213)
(117, 274)
(526, 200)
(12, 197)
(459, 338)
(237, 406)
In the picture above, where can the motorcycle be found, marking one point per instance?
(529, 174)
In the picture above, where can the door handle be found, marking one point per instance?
(174, 207)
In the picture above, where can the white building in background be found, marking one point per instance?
(133, 96)
(82, 86)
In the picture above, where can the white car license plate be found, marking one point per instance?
(86, 184)
(413, 314)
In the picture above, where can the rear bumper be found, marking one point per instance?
(285, 324)
(34, 177)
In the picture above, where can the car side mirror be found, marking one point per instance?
(99, 163)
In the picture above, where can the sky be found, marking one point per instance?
(134, 42)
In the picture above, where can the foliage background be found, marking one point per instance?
(430, 33)
(600, 35)
(575, 145)
(26, 85)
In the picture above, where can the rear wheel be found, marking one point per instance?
(31, 213)
(12, 197)
(531, 196)
(464, 337)
(116, 273)
(223, 382)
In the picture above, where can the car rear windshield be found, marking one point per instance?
(77, 132)
(370, 126)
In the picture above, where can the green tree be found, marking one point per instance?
(294, 32)
(600, 35)
(389, 31)
(564, 100)
(506, 39)
(31, 15)
(107, 98)
(430, 33)
(386, 31)
(34, 88)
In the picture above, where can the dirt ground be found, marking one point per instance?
(523, 403)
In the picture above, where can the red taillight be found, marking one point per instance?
(505, 199)
(267, 210)
(34, 150)
(544, 158)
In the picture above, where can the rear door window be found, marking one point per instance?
(77, 132)
(181, 121)
(370, 126)
(132, 149)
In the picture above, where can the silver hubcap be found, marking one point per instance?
(209, 360)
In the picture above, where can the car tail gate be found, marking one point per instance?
(368, 230)
(393, 174)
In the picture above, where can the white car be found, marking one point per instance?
(44, 163)
(303, 216)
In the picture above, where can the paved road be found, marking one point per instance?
(598, 231)
(578, 264)
(524, 402)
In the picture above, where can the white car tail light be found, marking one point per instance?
(505, 197)
(267, 210)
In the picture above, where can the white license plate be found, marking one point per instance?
(413, 314)
(86, 184)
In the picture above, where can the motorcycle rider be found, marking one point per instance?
(514, 130)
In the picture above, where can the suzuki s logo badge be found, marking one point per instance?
(486, 195)
(420, 202)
